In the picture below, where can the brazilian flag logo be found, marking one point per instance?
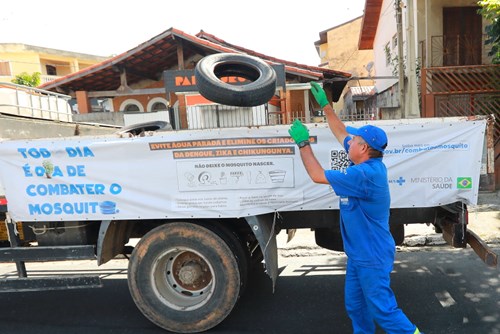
(464, 182)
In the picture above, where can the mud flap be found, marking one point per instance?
(113, 236)
(456, 234)
(482, 250)
(263, 227)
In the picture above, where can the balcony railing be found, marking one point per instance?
(456, 50)
(462, 91)
(48, 78)
(461, 79)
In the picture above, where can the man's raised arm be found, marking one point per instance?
(334, 122)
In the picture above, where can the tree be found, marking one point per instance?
(25, 79)
(490, 10)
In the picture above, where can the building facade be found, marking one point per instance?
(134, 82)
(16, 58)
(338, 49)
(438, 50)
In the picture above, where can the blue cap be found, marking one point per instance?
(372, 135)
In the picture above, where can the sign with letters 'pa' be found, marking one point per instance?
(177, 81)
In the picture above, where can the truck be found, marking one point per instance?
(205, 206)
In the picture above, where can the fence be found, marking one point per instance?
(456, 50)
(32, 102)
(221, 116)
(462, 91)
(366, 114)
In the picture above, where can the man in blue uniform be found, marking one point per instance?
(364, 220)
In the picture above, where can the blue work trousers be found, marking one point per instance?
(369, 299)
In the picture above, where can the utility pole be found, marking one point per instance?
(399, 25)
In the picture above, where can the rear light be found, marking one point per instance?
(3, 201)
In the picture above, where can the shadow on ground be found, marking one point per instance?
(443, 291)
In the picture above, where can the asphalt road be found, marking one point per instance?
(440, 289)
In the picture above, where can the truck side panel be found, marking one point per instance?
(226, 172)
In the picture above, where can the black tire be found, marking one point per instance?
(329, 238)
(233, 240)
(398, 233)
(211, 69)
(138, 128)
(184, 277)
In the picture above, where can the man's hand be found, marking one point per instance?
(319, 94)
(299, 132)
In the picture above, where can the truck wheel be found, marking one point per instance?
(329, 238)
(211, 69)
(398, 233)
(184, 277)
(237, 248)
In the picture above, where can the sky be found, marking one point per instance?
(279, 28)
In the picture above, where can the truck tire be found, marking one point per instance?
(329, 238)
(184, 277)
(138, 128)
(237, 247)
(398, 233)
(210, 69)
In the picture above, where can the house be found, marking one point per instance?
(16, 58)
(134, 83)
(355, 106)
(338, 49)
(437, 50)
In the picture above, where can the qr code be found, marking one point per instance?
(339, 160)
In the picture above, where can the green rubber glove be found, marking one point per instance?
(299, 132)
(319, 94)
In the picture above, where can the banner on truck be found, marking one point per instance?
(227, 172)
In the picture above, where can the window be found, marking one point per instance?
(159, 106)
(5, 68)
(387, 50)
(51, 70)
(132, 107)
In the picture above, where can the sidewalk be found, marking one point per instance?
(484, 220)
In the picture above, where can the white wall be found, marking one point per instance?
(135, 118)
(385, 32)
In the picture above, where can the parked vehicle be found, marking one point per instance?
(207, 205)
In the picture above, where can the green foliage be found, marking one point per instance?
(25, 79)
(393, 61)
(490, 10)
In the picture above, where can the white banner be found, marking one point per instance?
(227, 172)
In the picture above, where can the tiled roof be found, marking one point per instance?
(362, 90)
(370, 24)
(149, 59)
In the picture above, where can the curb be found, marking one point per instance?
(424, 240)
